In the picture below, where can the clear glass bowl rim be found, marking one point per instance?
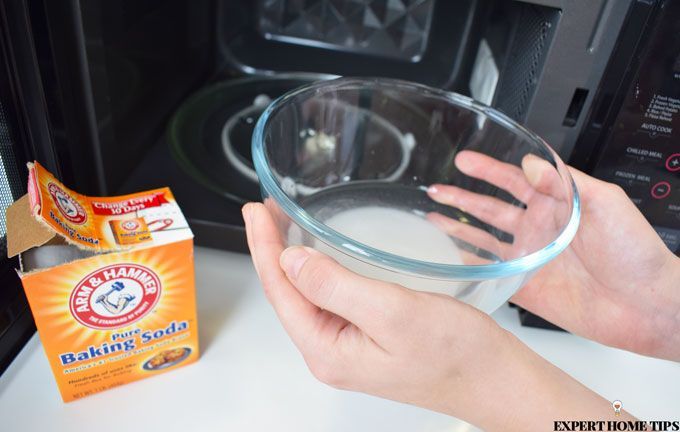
(387, 260)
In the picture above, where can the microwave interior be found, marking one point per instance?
(149, 93)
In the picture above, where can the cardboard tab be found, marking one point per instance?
(23, 230)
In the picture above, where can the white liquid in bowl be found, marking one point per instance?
(397, 232)
(408, 235)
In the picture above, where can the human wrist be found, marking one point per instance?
(485, 393)
(515, 389)
(666, 337)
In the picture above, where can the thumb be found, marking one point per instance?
(376, 307)
(543, 176)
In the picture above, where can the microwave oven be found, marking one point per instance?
(116, 96)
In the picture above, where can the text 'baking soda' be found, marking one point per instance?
(110, 282)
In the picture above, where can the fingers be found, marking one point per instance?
(471, 235)
(536, 174)
(501, 174)
(279, 217)
(371, 305)
(485, 208)
(298, 316)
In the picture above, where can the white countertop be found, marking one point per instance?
(250, 377)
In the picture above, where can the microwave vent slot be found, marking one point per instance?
(534, 30)
(11, 183)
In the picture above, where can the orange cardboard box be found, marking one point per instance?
(110, 282)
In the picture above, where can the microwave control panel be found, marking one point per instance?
(642, 153)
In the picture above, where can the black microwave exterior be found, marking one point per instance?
(630, 132)
(631, 135)
(16, 148)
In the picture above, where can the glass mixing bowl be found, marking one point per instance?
(409, 184)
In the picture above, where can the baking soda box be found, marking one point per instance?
(110, 282)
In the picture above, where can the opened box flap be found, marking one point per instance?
(96, 224)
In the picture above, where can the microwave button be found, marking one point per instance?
(673, 162)
(661, 190)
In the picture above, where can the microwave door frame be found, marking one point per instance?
(25, 112)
